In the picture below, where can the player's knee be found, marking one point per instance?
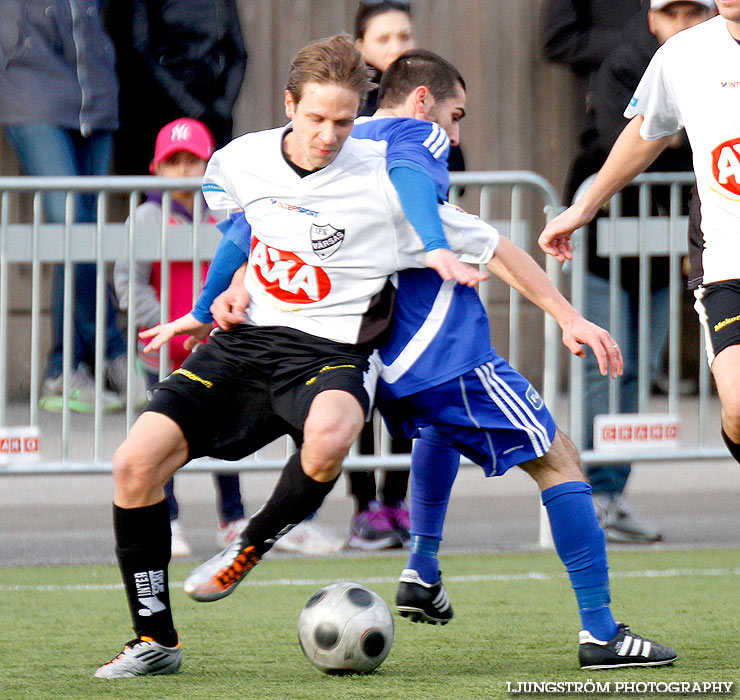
(326, 446)
(133, 469)
(731, 418)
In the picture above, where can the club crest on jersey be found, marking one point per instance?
(726, 165)
(325, 240)
(286, 277)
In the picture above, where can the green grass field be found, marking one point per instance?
(515, 620)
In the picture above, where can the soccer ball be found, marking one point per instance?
(345, 628)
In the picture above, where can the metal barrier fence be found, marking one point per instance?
(73, 443)
(645, 236)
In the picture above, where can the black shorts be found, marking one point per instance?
(718, 306)
(251, 385)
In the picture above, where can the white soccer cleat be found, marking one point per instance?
(310, 538)
(142, 657)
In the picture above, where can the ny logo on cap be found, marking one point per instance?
(180, 132)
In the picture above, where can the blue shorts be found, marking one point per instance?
(492, 415)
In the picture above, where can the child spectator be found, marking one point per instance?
(182, 149)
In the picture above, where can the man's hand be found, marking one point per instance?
(166, 331)
(449, 267)
(555, 237)
(578, 332)
(229, 307)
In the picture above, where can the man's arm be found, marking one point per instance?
(630, 155)
(519, 270)
(418, 197)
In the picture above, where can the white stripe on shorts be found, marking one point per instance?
(514, 408)
(701, 310)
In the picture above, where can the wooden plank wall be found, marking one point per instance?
(520, 109)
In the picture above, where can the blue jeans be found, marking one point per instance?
(611, 478)
(45, 149)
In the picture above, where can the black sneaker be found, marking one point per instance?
(624, 649)
(422, 602)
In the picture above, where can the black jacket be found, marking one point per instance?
(177, 58)
(582, 33)
(611, 90)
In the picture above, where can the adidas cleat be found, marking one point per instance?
(220, 575)
(422, 602)
(142, 657)
(624, 649)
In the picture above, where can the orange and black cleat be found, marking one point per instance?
(220, 575)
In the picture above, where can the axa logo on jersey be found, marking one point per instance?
(726, 165)
(286, 277)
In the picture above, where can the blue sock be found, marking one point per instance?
(423, 557)
(581, 546)
(434, 465)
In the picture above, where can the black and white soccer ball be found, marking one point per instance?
(345, 628)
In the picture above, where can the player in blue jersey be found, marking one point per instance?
(441, 382)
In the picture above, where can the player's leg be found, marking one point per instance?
(332, 418)
(581, 546)
(718, 306)
(153, 450)
(333, 423)
(434, 463)
(726, 372)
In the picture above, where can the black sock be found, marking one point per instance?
(143, 546)
(295, 497)
(733, 447)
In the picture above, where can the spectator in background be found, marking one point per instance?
(176, 58)
(581, 34)
(610, 91)
(182, 149)
(59, 109)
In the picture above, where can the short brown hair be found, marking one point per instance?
(335, 60)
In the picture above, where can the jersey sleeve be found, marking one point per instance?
(471, 238)
(654, 99)
(422, 146)
(217, 187)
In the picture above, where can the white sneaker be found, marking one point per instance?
(310, 538)
(620, 523)
(228, 532)
(117, 374)
(180, 546)
(81, 393)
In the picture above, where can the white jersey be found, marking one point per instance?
(323, 245)
(693, 82)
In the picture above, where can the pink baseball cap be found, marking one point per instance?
(183, 134)
(660, 4)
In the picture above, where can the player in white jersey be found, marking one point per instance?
(693, 81)
(439, 360)
(302, 373)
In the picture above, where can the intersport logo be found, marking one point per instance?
(286, 277)
(726, 165)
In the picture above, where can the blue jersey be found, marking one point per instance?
(439, 329)
(417, 144)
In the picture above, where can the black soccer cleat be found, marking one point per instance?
(624, 649)
(422, 602)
